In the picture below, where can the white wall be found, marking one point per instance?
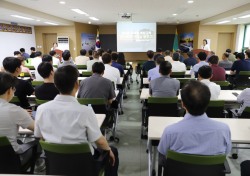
(10, 42)
(239, 37)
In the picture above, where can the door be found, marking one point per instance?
(48, 40)
(225, 41)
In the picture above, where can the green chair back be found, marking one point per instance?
(31, 67)
(178, 74)
(196, 159)
(223, 84)
(15, 99)
(215, 109)
(4, 141)
(81, 66)
(245, 114)
(183, 81)
(245, 73)
(28, 62)
(37, 83)
(24, 74)
(98, 104)
(86, 73)
(162, 100)
(39, 102)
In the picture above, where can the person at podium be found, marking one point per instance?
(205, 45)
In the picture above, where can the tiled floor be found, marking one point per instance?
(132, 150)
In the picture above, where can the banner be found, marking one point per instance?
(175, 45)
(186, 42)
(97, 43)
(88, 41)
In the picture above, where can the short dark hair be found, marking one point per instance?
(10, 64)
(66, 55)
(21, 58)
(195, 97)
(228, 50)
(165, 67)
(109, 51)
(83, 52)
(16, 52)
(38, 53)
(32, 48)
(65, 78)
(226, 54)
(159, 50)
(205, 40)
(214, 59)
(205, 71)
(202, 56)
(190, 54)
(150, 54)
(114, 56)
(44, 69)
(90, 52)
(100, 51)
(22, 50)
(106, 58)
(98, 67)
(52, 53)
(247, 52)
(160, 59)
(96, 55)
(47, 58)
(168, 52)
(6, 81)
(176, 56)
(241, 56)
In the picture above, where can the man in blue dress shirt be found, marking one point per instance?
(196, 133)
(154, 72)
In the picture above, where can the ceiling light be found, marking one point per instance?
(246, 16)
(174, 14)
(22, 17)
(38, 20)
(79, 11)
(50, 23)
(190, 2)
(234, 18)
(94, 18)
(222, 22)
(62, 2)
(89, 22)
(86, 14)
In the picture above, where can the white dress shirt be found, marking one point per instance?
(112, 73)
(178, 66)
(36, 61)
(90, 64)
(214, 88)
(168, 58)
(244, 98)
(81, 60)
(206, 47)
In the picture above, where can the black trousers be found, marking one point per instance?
(245, 168)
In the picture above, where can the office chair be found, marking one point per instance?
(215, 109)
(10, 161)
(183, 81)
(158, 106)
(224, 85)
(178, 74)
(37, 83)
(180, 164)
(242, 80)
(81, 67)
(70, 159)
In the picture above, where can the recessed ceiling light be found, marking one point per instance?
(222, 22)
(38, 20)
(190, 2)
(174, 14)
(50, 23)
(245, 16)
(22, 17)
(86, 14)
(234, 18)
(62, 2)
(79, 11)
(89, 22)
(94, 18)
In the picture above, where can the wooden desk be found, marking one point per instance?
(240, 130)
(224, 95)
(100, 118)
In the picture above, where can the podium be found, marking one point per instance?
(59, 54)
(196, 51)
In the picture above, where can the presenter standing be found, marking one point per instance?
(205, 45)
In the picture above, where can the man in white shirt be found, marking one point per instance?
(82, 59)
(168, 57)
(75, 123)
(204, 75)
(111, 73)
(36, 61)
(56, 61)
(177, 66)
(201, 61)
(91, 62)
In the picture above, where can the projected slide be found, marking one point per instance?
(136, 37)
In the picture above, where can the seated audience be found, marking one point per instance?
(225, 63)
(121, 59)
(32, 52)
(231, 56)
(158, 53)
(205, 73)
(12, 116)
(154, 72)
(164, 86)
(190, 61)
(245, 168)
(114, 57)
(17, 54)
(211, 53)
(36, 61)
(244, 99)
(149, 64)
(240, 64)
(181, 58)
(25, 55)
(75, 123)
(109, 51)
(196, 133)
(46, 91)
(82, 59)
(90, 54)
(201, 61)
(94, 60)
(219, 73)
(110, 72)
(23, 87)
(56, 61)
(23, 68)
(96, 86)
(67, 59)
(177, 66)
(168, 57)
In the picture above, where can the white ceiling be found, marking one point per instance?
(107, 11)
